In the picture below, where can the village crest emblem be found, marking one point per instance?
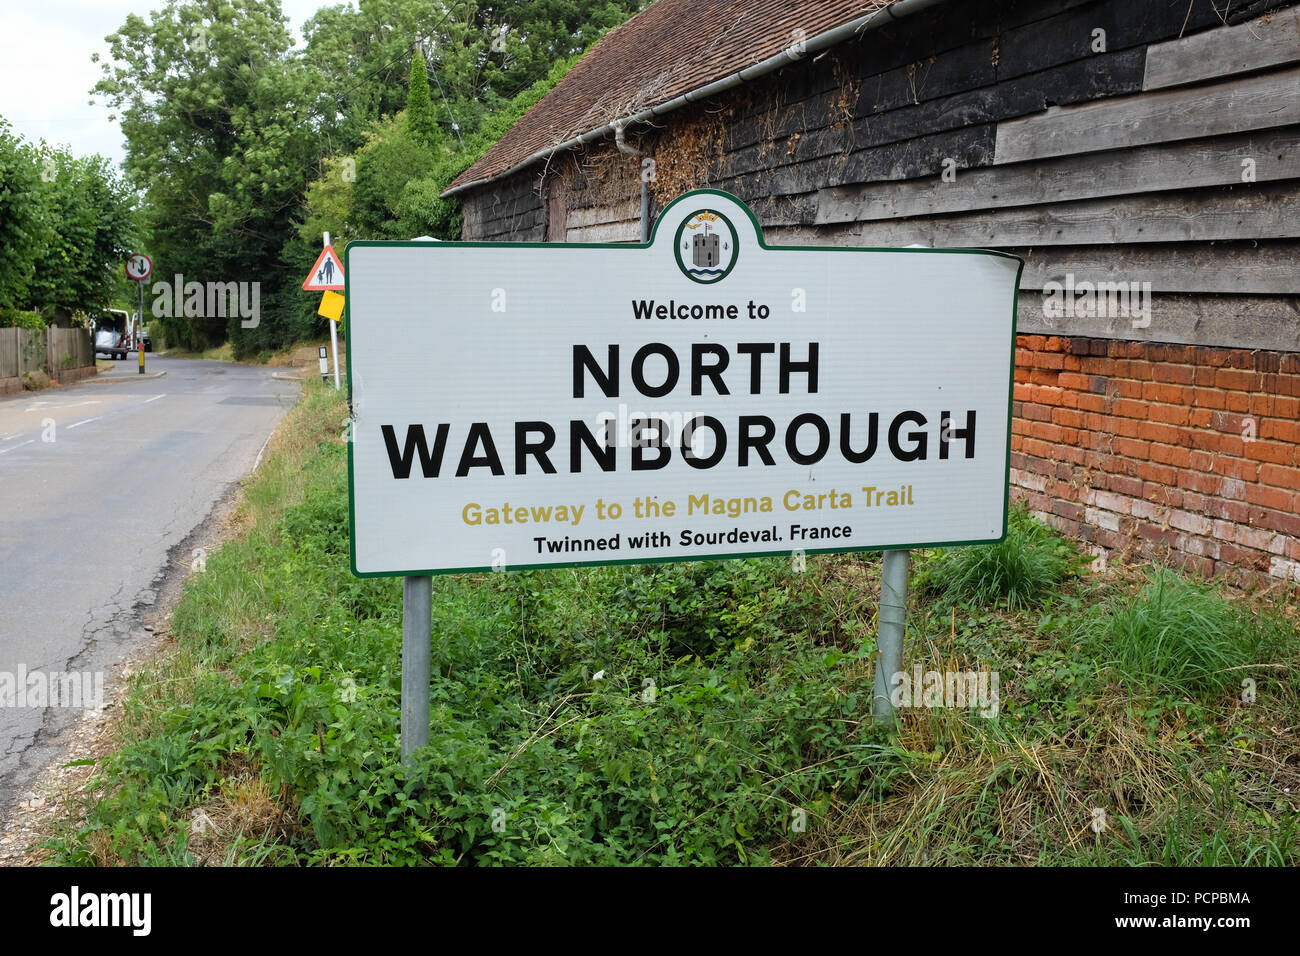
(705, 246)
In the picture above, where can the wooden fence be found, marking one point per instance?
(51, 350)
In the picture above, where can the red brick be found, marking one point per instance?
(1237, 468)
(1171, 455)
(1280, 430)
(1215, 357)
(1236, 401)
(1039, 449)
(1287, 522)
(1158, 474)
(1068, 509)
(1187, 521)
(1255, 560)
(1261, 405)
(1169, 414)
(1240, 358)
(1224, 444)
(1275, 452)
(1236, 380)
(1269, 497)
(1158, 534)
(1280, 477)
(1132, 448)
(1196, 481)
(1178, 374)
(1129, 409)
(1052, 360)
(1125, 485)
(1262, 539)
(1073, 380)
(1208, 398)
(1235, 511)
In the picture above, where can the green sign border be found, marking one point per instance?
(758, 231)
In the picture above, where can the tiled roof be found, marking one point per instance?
(670, 48)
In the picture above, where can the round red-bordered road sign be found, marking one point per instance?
(139, 267)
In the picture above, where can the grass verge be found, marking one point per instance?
(703, 713)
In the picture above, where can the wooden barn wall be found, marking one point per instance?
(1126, 163)
(1170, 158)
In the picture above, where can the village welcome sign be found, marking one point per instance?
(703, 396)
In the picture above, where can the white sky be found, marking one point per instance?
(46, 73)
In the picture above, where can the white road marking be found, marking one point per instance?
(84, 421)
(262, 449)
(155, 398)
(19, 445)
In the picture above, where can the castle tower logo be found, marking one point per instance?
(705, 246)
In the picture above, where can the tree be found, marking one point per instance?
(419, 109)
(93, 230)
(24, 222)
(222, 122)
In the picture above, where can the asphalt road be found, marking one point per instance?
(97, 482)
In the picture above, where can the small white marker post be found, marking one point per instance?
(334, 338)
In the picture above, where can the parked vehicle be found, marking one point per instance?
(110, 333)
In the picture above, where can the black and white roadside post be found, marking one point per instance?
(324, 365)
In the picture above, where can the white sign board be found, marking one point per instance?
(703, 396)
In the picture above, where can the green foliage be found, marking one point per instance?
(391, 159)
(221, 121)
(94, 230)
(17, 318)
(1176, 635)
(24, 225)
(420, 123)
(66, 225)
(1019, 571)
(674, 713)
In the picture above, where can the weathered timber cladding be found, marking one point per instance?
(1154, 143)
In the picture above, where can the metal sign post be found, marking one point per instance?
(893, 618)
(334, 337)
(417, 627)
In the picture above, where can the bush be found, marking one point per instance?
(35, 380)
(1176, 635)
(1021, 570)
(18, 318)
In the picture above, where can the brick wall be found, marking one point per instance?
(1181, 453)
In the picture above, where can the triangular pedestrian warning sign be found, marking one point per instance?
(327, 273)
